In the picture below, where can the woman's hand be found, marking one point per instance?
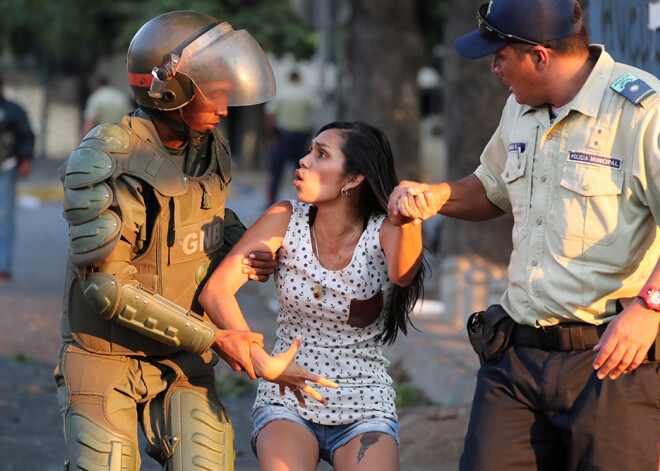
(233, 346)
(283, 370)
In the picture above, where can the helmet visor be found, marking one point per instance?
(228, 67)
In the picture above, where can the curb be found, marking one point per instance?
(46, 192)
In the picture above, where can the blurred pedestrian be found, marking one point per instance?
(288, 127)
(106, 104)
(16, 150)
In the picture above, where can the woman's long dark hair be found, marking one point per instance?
(367, 152)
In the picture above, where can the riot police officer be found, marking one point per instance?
(145, 203)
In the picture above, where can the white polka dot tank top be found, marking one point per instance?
(339, 329)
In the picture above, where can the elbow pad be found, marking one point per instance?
(149, 314)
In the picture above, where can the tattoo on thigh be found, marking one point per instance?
(366, 440)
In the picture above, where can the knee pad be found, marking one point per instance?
(200, 435)
(92, 447)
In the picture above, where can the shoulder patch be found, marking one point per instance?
(633, 89)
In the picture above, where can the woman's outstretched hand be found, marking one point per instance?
(283, 370)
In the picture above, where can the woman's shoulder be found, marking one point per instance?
(377, 222)
(299, 210)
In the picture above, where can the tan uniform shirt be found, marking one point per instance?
(585, 197)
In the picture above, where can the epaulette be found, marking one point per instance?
(632, 88)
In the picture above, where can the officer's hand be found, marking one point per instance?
(233, 346)
(626, 341)
(259, 265)
(283, 370)
(411, 202)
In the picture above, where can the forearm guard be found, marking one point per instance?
(149, 314)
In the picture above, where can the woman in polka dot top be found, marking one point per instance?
(346, 280)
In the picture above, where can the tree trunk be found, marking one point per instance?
(384, 54)
(473, 103)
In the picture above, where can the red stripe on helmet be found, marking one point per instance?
(140, 80)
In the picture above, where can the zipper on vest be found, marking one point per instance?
(206, 197)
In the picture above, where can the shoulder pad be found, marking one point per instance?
(87, 166)
(84, 204)
(632, 88)
(92, 241)
(107, 136)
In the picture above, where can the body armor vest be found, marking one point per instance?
(185, 221)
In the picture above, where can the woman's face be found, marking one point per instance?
(321, 173)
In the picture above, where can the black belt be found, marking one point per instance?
(562, 337)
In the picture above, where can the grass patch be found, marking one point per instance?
(233, 385)
(21, 357)
(408, 395)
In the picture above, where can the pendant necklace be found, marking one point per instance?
(317, 291)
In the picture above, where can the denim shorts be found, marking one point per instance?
(329, 437)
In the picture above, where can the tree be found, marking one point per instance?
(385, 52)
(69, 38)
(473, 102)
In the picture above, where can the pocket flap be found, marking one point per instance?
(591, 183)
(514, 167)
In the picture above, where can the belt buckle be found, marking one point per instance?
(550, 337)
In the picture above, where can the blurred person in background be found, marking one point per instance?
(145, 201)
(105, 104)
(16, 151)
(288, 128)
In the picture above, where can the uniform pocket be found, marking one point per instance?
(364, 312)
(587, 206)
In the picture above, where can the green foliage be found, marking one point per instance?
(23, 357)
(233, 385)
(409, 396)
(276, 27)
(72, 34)
(432, 14)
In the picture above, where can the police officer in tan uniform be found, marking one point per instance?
(145, 203)
(569, 375)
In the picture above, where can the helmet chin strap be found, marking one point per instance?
(187, 130)
(181, 126)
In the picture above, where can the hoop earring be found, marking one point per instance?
(343, 191)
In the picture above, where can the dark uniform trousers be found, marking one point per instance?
(548, 411)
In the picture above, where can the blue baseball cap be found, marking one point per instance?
(501, 22)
